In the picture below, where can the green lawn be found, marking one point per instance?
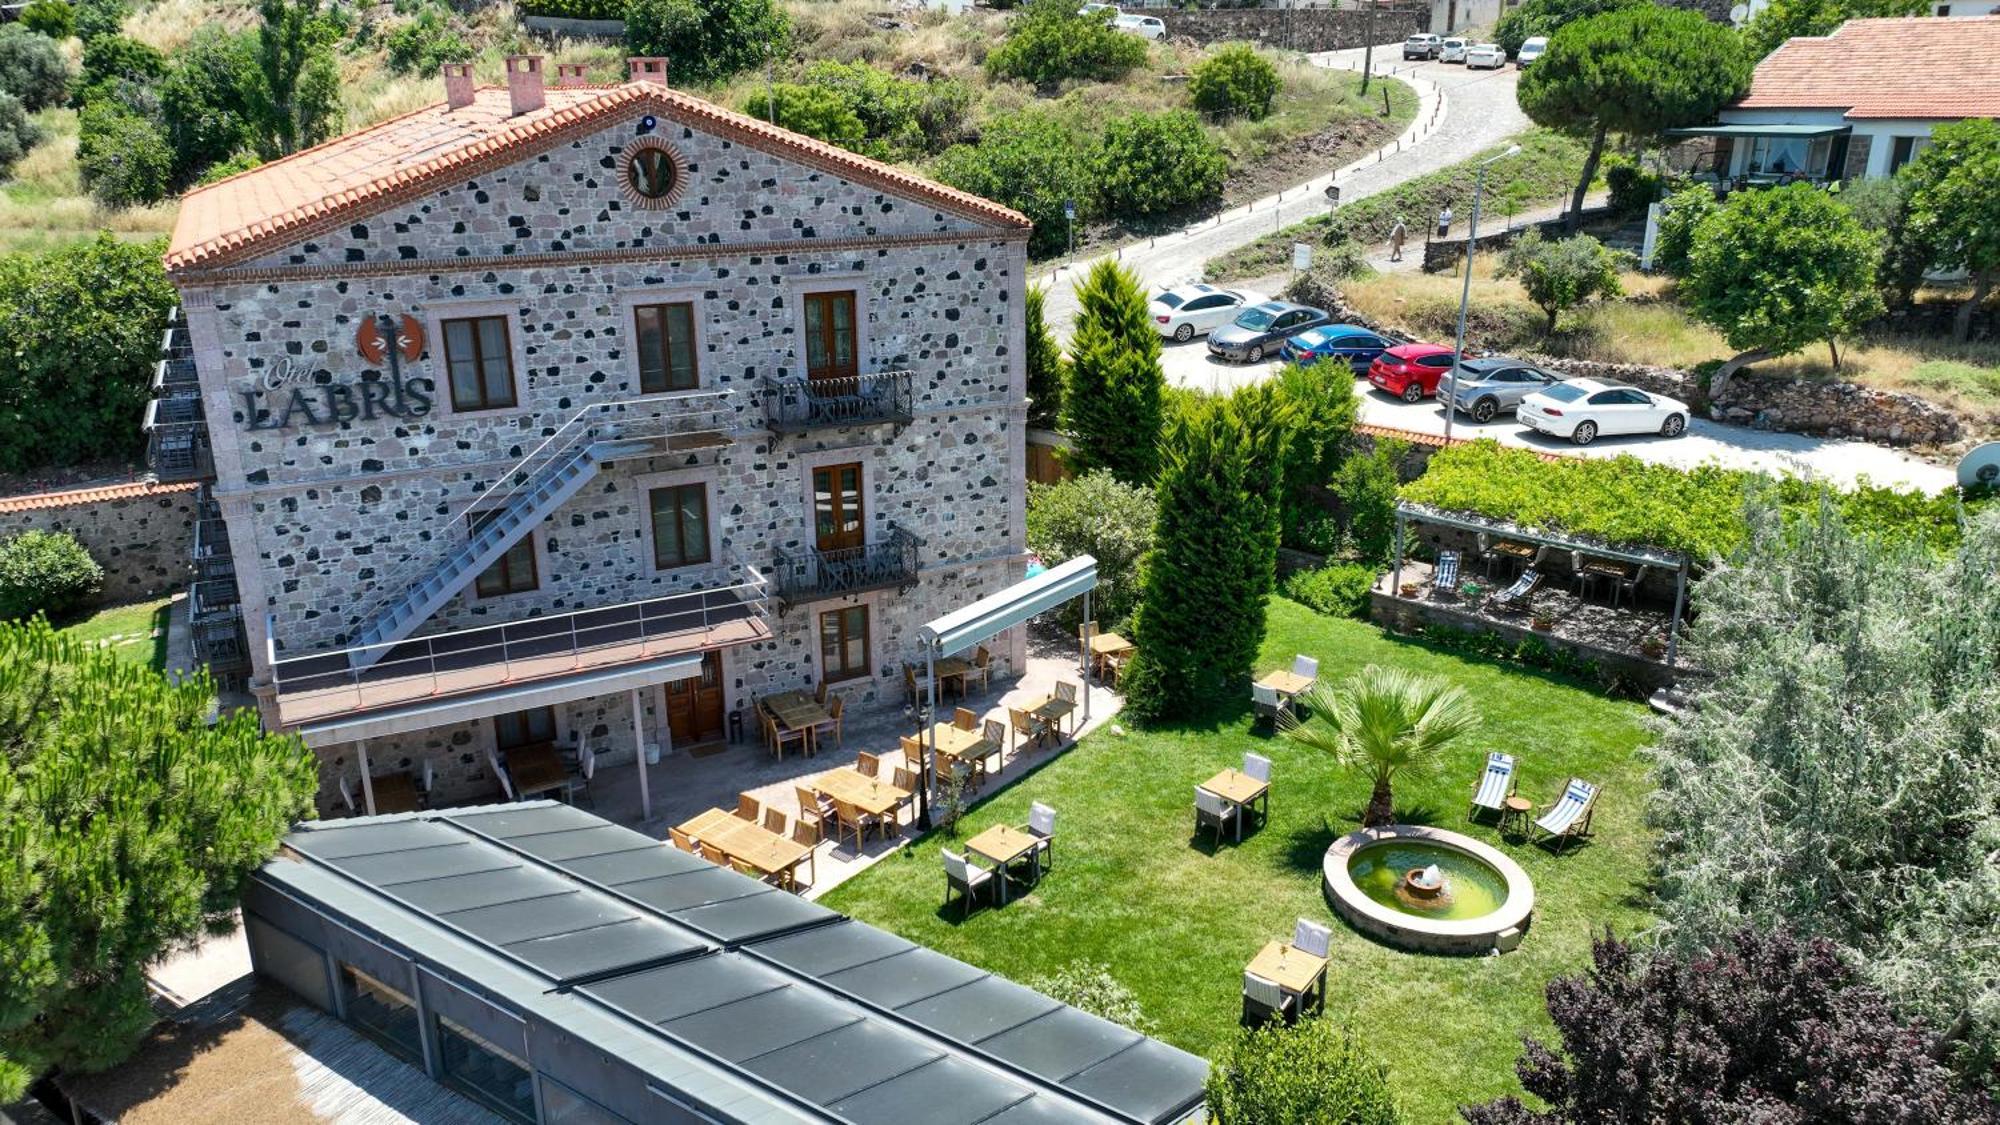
(1177, 921)
(135, 632)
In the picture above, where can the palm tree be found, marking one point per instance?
(1384, 721)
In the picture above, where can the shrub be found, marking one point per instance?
(123, 158)
(1030, 160)
(1632, 188)
(1366, 488)
(53, 18)
(1560, 275)
(18, 132)
(110, 62)
(1684, 211)
(1234, 81)
(1050, 42)
(1340, 590)
(709, 40)
(1154, 162)
(205, 101)
(423, 44)
(1095, 515)
(1048, 371)
(1314, 1073)
(902, 115)
(32, 68)
(222, 170)
(1111, 407)
(1334, 262)
(1090, 986)
(46, 572)
(98, 18)
(812, 110)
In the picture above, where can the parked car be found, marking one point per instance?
(1410, 371)
(1496, 385)
(1094, 9)
(1351, 344)
(1187, 311)
(1583, 409)
(1146, 27)
(1485, 56)
(1531, 49)
(1258, 330)
(1421, 47)
(1453, 49)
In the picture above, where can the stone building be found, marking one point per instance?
(587, 414)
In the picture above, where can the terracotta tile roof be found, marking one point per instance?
(1920, 67)
(374, 168)
(76, 497)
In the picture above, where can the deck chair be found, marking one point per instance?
(1570, 817)
(1444, 580)
(1516, 596)
(1495, 785)
(1267, 703)
(964, 880)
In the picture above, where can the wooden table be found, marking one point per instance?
(1052, 711)
(1515, 810)
(1523, 553)
(963, 745)
(536, 769)
(1300, 973)
(394, 792)
(753, 844)
(1617, 573)
(871, 795)
(799, 711)
(1241, 790)
(1104, 647)
(1001, 845)
(954, 668)
(1286, 682)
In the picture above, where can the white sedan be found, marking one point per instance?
(1146, 27)
(1583, 409)
(1187, 311)
(1485, 56)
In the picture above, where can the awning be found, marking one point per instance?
(991, 615)
(1759, 131)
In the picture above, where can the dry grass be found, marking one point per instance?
(168, 24)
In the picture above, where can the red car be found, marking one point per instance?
(1411, 372)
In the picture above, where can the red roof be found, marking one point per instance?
(76, 497)
(367, 171)
(1918, 67)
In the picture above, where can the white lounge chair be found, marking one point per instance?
(1495, 785)
(1529, 581)
(1267, 703)
(1263, 999)
(1571, 815)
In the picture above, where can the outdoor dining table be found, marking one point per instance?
(1052, 711)
(1001, 845)
(394, 792)
(535, 769)
(954, 668)
(1105, 647)
(1615, 572)
(871, 795)
(1300, 973)
(1286, 682)
(962, 745)
(1241, 790)
(1523, 553)
(751, 844)
(799, 711)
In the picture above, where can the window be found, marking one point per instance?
(837, 513)
(680, 525)
(481, 364)
(843, 643)
(830, 339)
(535, 727)
(488, 1073)
(1439, 362)
(514, 572)
(381, 1012)
(564, 1106)
(1902, 150)
(665, 335)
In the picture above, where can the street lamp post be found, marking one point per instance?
(920, 714)
(1465, 292)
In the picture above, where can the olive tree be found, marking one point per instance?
(1559, 275)
(1954, 207)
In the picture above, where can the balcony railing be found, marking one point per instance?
(212, 600)
(180, 452)
(211, 548)
(812, 574)
(170, 375)
(796, 405)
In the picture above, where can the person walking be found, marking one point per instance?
(1444, 222)
(1396, 236)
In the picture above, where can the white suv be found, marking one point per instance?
(1420, 47)
(1453, 49)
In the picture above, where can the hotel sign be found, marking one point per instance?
(288, 394)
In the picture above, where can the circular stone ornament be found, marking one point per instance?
(651, 173)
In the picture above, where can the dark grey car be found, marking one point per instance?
(1495, 385)
(1260, 330)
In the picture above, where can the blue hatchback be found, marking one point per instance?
(1350, 343)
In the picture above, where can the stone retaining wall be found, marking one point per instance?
(1304, 29)
(141, 534)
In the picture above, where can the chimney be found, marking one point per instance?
(569, 75)
(524, 84)
(648, 69)
(457, 85)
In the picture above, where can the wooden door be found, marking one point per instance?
(831, 342)
(837, 515)
(694, 705)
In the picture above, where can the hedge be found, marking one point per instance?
(573, 9)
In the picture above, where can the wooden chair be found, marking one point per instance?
(1065, 702)
(912, 691)
(996, 733)
(834, 711)
(963, 879)
(808, 835)
(774, 822)
(747, 808)
(684, 842)
(913, 751)
(964, 719)
(809, 810)
(906, 781)
(982, 669)
(714, 855)
(847, 818)
(819, 694)
(1023, 723)
(1114, 667)
(780, 736)
(868, 765)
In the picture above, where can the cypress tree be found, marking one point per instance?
(1112, 407)
(1045, 363)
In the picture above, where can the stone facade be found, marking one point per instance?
(140, 534)
(331, 519)
(1301, 29)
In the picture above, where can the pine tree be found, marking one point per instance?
(1046, 369)
(1201, 616)
(1112, 407)
(127, 825)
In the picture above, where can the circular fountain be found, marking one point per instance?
(1429, 890)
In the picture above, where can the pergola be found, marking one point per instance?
(1675, 561)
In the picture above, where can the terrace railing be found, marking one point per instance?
(811, 574)
(797, 405)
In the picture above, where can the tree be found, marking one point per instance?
(111, 63)
(1201, 615)
(297, 102)
(206, 101)
(1384, 722)
(1096, 515)
(904, 116)
(46, 572)
(1781, 20)
(1954, 209)
(1322, 409)
(1033, 161)
(1315, 1073)
(1778, 269)
(1234, 81)
(1559, 275)
(32, 68)
(121, 156)
(1154, 162)
(1050, 41)
(53, 18)
(1048, 372)
(1111, 408)
(812, 110)
(18, 132)
(131, 819)
(709, 40)
(1881, 204)
(1635, 72)
(1681, 213)
(1546, 17)
(1764, 1029)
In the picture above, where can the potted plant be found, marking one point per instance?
(1543, 623)
(1410, 589)
(1653, 647)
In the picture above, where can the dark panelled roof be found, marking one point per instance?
(837, 1014)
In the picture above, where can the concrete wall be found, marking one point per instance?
(1306, 29)
(141, 534)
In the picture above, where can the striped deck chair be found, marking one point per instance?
(1495, 785)
(1517, 594)
(1444, 580)
(1571, 815)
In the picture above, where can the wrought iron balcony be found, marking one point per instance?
(797, 405)
(211, 548)
(178, 374)
(214, 600)
(813, 574)
(180, 452)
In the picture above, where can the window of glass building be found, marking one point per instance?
(492, 1075)
(384, 1013)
